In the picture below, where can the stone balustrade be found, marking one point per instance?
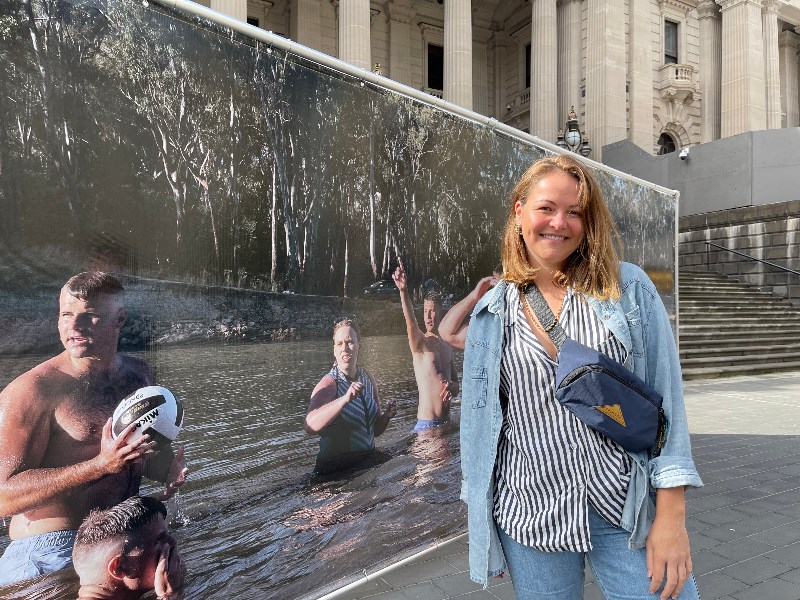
(677, 82)
(519, 103)
(433, 92)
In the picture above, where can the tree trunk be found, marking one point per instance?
(273, 273)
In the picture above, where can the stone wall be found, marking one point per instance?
(769, 232)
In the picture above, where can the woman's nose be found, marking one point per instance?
(557, 221)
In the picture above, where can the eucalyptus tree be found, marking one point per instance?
(51, 51)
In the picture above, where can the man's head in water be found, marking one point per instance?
(127, 550)
(91, 315)
(432, 313)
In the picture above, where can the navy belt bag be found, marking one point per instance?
(601, 392)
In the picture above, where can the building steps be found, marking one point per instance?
(729, 328)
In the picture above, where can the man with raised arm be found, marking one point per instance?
(437, 380)
(58, 459)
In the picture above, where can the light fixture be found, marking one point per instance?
(573, 140)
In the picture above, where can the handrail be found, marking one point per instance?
(766, 262)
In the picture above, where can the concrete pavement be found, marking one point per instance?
(744, 525)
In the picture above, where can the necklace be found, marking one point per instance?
(532, 318)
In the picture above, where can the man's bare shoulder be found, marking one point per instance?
(434, 343)
(135, 366)
(38, 384)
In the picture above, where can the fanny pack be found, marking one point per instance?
(601, 392)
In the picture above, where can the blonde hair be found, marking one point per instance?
(346, 322)
(593, 268)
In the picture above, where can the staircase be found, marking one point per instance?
(729, 328)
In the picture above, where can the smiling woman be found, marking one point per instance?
(550, 220)
(561, 492)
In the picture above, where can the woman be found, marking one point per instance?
(550, 491)
(345, 410)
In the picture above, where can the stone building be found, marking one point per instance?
(664, 74)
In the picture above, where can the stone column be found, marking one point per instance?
(499, 43)
(544, 79)
(458, 52)
(771, 68)
(743, 103)
(710, 69)
(788, 44)
(569, 58)
(480, 72)
(305, 24)
(234, 8)
(605, 74)
(640, 118)
(401, 14)
(354, 40)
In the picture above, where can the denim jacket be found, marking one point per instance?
(640, 323)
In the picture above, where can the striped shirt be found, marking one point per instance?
(353, 430)
(549, 463)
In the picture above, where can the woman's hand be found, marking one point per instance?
(354, 390)
(391, 409)
(668, 556)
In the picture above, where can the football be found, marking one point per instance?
(154, 409)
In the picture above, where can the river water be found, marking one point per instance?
(251, 521)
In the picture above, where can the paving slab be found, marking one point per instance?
(744, 525)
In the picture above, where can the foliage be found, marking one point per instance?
(159, 145)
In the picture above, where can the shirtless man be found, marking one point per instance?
(124, 551)
(58, 459)
(437, 380)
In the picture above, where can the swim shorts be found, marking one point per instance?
(36, 555)
(422, 424)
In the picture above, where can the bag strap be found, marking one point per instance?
(545, 315)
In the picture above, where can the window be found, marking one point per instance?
(665, 144)
(527, 65)
(252, 21)
(435, 67)
(670, 43)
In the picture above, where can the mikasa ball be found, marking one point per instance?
(154, 409)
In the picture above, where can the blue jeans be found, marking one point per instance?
(36, 555)
(620, 572)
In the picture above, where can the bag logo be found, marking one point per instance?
(613, 411)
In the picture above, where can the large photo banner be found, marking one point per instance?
(269, 219)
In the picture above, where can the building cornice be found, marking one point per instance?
(400, 11)
(728, 4)
(683, 7)
(431, 33)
